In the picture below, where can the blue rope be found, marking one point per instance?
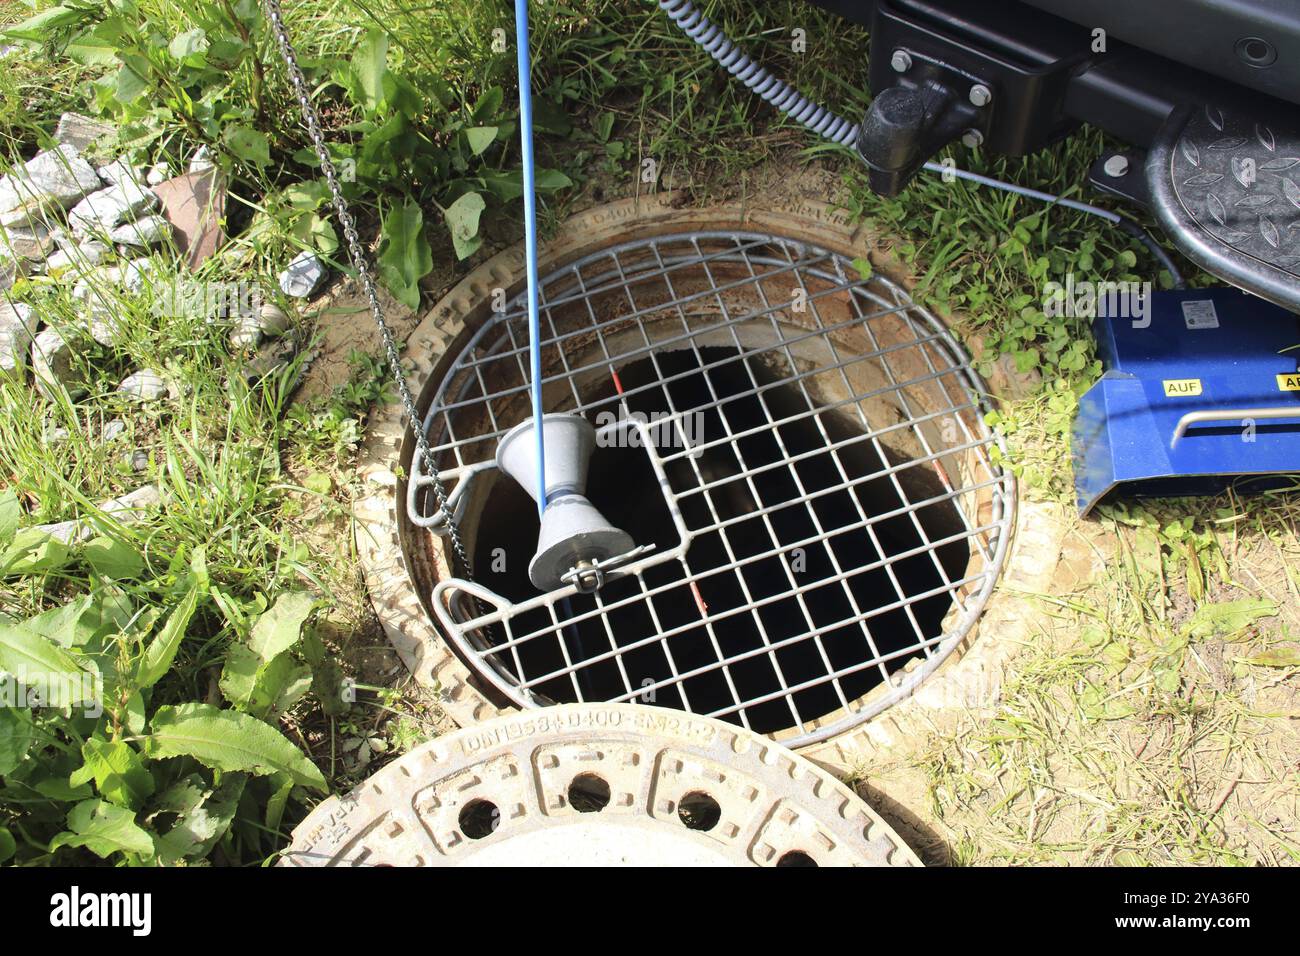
(530, 240)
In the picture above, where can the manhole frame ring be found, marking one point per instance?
(384, 455)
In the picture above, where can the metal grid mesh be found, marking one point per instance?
(804, 448)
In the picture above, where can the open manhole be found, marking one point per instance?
(804, 449)
(598, 784)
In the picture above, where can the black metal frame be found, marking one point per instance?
(1041, 71)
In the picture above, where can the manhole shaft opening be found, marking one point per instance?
(804, 448)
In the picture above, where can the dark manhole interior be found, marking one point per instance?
(625, 489)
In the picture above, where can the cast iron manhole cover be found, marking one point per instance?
(802, 448)
(598, 784)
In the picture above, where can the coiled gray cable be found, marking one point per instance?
(777, 92)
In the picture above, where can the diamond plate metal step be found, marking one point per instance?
(1225, 185)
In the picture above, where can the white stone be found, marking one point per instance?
(201, 161)
(17, 330)
(89, 253)
(113, 430)
(145, 232)
(59, 174)
(158, 173)
(251, 327)
(32, 243)
(144, 386)
(103, 210)
(102, 322)
(273, 320)
(10, 270)
(302, 276)
(138, 460)
(120, 171)
(23, 215)
(80, 131)
(51, 362)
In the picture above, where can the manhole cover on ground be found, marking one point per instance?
(598, 784)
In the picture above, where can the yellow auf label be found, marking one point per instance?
(1182, 387)
(1289, 383)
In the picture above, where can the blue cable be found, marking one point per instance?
(530, 240)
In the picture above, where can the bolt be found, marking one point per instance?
(972, 138)
(1116, 166)
(980, 95)
(901, 61)
(588, 579)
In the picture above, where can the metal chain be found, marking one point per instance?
(359, 260)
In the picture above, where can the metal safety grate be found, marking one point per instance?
(804, 449)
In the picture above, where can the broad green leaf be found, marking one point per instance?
(239, 675)
(104, 829)
(7, 845)
(39, 663)
(189, 46)
(97, 47)
(68, 625)
(1277, 657)
(293, 686)
(16, 736)
(480, 138)
(118, 771)
(281, 785)
(160, 653)
(315, 232)
(228, 740)
(203, 815)
(132, 79)
(58, 789)
(263, 688)
(1230, 618)
(488, 104)
(306, 195)
(248, 145)
(10, 512)
(462, 219)
(40, 27)
(369, 66)
(112, 558)
(33, 551)
(132, 716)
(280, 627)
(505, 186)
(405, 258)
(549, 180)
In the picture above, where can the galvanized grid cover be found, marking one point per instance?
(804, 448)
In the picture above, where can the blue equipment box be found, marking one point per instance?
(1201, 392)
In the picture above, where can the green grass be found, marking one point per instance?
(261, 481)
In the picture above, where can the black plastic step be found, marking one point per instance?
(1225, 186)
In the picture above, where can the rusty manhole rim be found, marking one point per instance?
(390, 567)
(578, 784)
